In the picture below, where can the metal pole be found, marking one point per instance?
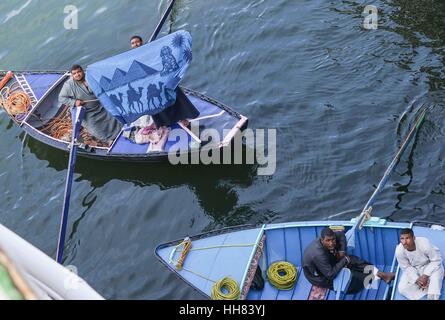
(350, 235)
(162, 21)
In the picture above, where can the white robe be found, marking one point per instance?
(425, 260)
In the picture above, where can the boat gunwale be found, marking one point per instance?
(396, 225)
(429, 223)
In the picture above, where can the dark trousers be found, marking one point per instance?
(182, 109)
(358, 267)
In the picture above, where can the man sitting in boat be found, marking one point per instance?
(180, 111)
(422, 267)
(98, 122)
(326, 256)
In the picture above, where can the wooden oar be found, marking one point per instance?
(76, 116)
(350, 235)
(162, 21)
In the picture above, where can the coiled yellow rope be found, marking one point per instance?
(224, 289)
(282, 275)
(229, 285)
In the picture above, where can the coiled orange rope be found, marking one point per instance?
(14, 103)
(61, 128)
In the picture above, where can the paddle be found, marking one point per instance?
(350, 235)
(162, 21)
(76, 117)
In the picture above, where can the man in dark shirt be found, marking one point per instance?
(326, 256)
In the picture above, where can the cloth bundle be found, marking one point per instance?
(144, 131)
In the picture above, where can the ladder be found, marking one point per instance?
(27, 88)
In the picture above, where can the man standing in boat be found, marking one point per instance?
(98, 122)
(180, 111)
(422, 267)
(326, 256)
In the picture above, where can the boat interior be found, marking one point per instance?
(374, 244)
(215, 256)
(53, 121)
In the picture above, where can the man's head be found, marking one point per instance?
(77, 73)
(407, 239)
(328, 239)
(136, 42)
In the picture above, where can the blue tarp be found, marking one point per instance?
(142, 81)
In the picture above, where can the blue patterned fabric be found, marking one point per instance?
(142, 81)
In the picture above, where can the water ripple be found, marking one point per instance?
(341, 98)
(15, 13)
(100, 11)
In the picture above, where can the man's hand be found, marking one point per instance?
(423, 281)
(79, 103)
(340, 255)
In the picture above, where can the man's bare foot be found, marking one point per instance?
(386, 276)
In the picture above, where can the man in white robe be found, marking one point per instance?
(421, 263)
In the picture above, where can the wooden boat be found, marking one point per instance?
(237, 252)
(26, 273)
(45, 114)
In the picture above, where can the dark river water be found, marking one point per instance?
(341, 97)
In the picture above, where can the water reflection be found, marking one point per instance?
(214, 186)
